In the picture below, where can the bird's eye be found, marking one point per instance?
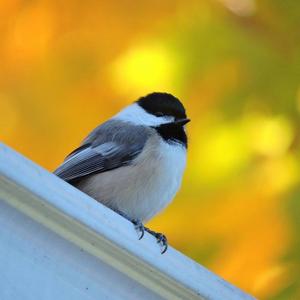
(159, 114)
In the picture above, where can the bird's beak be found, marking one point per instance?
(182, 121)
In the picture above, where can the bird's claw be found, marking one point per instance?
(160, 238)
(139, 226)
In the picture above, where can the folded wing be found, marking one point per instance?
(109, 146)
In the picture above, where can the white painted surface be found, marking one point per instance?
(58, 243)
(35, 263)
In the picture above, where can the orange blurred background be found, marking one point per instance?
(67, 66)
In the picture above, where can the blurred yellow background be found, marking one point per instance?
(67, 66)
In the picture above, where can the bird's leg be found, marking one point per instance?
(138, 225)
(161, 239)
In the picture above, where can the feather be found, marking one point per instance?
(111, 145)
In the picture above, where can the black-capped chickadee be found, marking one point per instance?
(134, 162)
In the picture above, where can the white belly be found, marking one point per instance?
(144, 188)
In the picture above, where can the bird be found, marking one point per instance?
(134, 162)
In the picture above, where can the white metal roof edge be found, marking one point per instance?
(104, 234)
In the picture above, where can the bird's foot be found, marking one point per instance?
(139, 227)
(160, 238)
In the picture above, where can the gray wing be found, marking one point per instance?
(111, 145)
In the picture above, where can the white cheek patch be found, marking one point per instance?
(168, 119)
(137, 115)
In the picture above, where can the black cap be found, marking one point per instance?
(163, 104)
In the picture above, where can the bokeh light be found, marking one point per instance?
(144, 69)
